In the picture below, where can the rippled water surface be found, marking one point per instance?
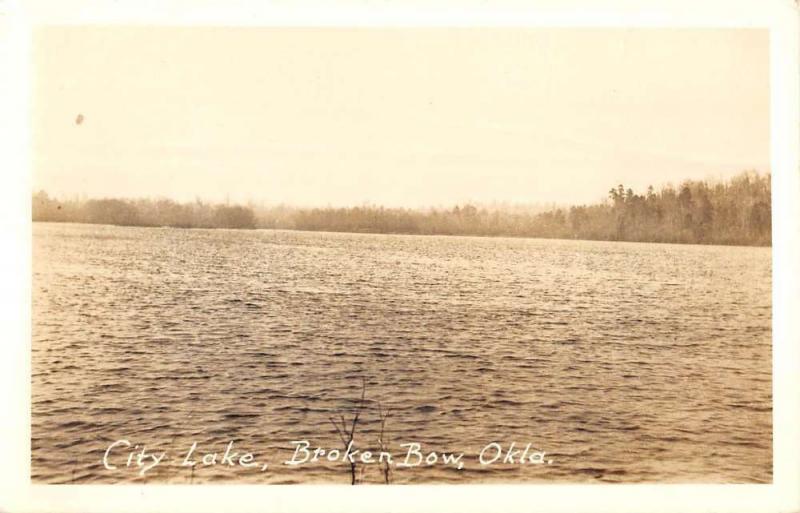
(621, 361)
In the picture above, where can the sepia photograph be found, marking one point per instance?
(360, 255)
(401, 256)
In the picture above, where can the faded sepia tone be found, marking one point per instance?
(398, 118)
(247, 238)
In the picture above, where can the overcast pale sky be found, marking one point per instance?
(399, 117)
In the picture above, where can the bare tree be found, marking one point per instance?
(346, 434)
(383, 443)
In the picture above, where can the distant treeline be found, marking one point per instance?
(734, 212)
(142, 212)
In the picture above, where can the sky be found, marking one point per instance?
(395, 117)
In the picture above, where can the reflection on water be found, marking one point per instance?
(624, 362)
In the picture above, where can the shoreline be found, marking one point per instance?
(413, 234)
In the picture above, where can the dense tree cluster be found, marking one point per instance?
(734, 212)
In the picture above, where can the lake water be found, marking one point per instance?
(623, 362)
